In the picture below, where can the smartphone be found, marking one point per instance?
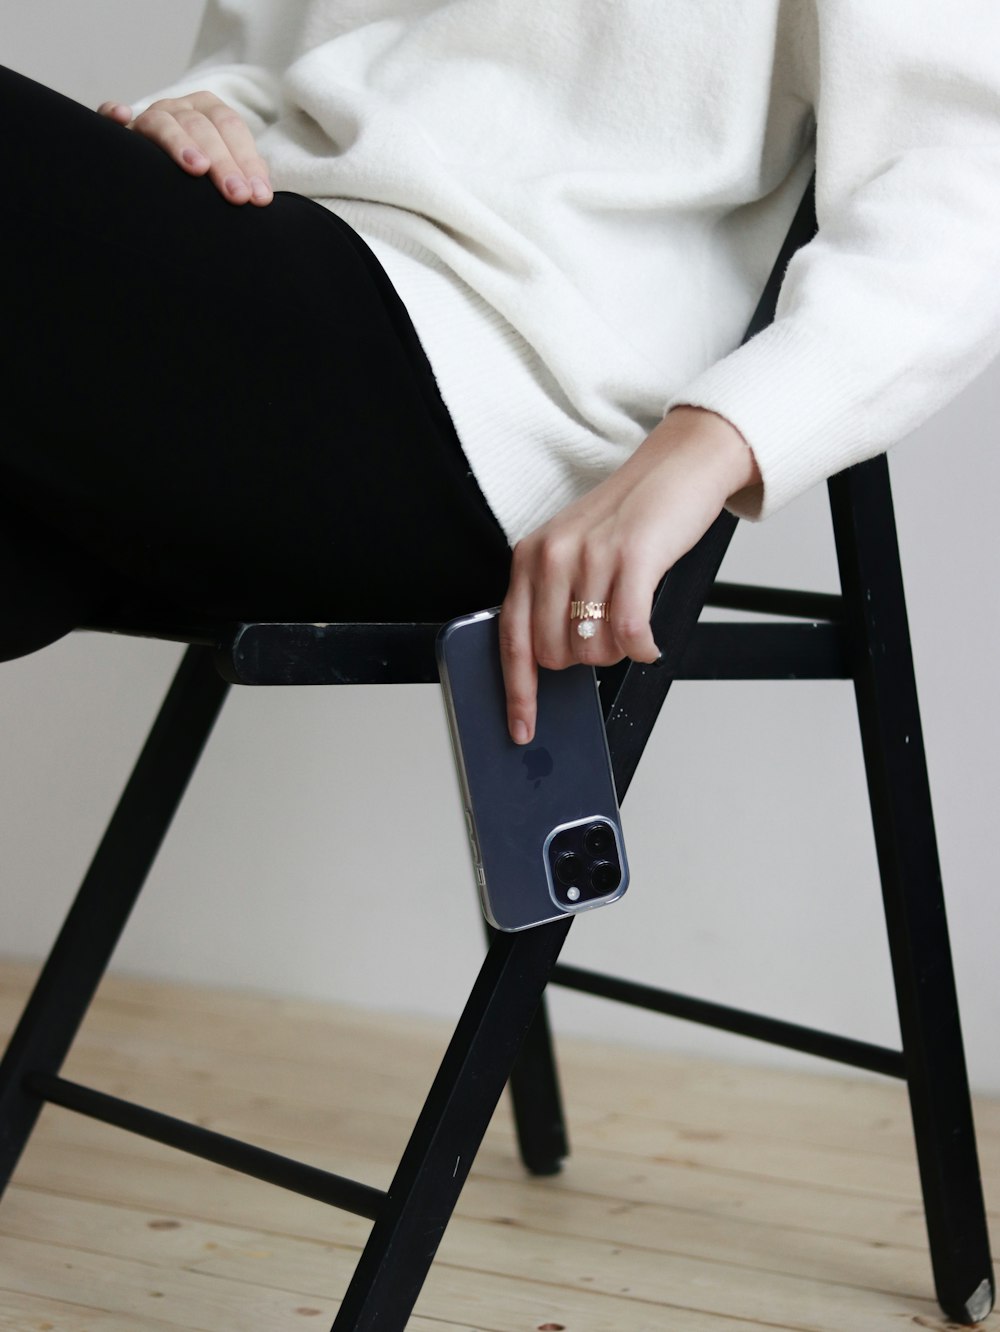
(542, 818)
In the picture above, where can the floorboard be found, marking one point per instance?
(700, 1196)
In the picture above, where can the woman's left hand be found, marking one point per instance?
(614, 545)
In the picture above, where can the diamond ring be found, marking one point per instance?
(588, 613)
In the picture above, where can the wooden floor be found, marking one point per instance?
(700, 1197)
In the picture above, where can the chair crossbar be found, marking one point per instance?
(293, 653)
(274, 653)
(308, 654)
(777, 601)
(347, 1194)
(331, 654)
(741, 651)
(807, 1040)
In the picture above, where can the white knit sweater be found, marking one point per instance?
(579, 202)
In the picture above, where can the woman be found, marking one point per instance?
(510, 323)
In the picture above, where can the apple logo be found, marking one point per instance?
(538, 764)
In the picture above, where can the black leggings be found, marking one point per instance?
(206, 408)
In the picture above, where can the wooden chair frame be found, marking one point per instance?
(503, 1032)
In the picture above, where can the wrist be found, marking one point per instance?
(718, 437)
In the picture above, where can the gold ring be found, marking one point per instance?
(588, 613)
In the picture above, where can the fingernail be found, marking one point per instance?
(236, 185)
(194, 158)
(519, 730)
(261, 189)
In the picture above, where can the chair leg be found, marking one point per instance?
(108, 892)
(447, 1135)
(903, 822)
(537, 1101)
(535, 1096)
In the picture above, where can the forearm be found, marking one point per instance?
(894, 306)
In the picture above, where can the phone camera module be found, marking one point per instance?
(584, 863)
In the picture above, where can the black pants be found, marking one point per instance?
(216, 409)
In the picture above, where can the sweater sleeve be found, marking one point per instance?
(241, 52)
(894, 306)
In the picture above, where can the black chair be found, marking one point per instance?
(503, 1031)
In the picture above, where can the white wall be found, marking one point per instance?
(321, 850)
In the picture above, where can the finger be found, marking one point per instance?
(117, 111)
(631, 605)
(595, 645)
(192, 141)
(552, 564)
(242, 148)
(222, 168)
(160, 126)
(517, 660)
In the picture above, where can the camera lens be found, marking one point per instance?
(599, 840)
(570, 868)
(605, 877)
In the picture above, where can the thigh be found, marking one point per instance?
(227, 404)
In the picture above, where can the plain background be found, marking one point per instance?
(321, 849)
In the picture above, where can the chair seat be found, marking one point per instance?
(300, 653)
(263, 653)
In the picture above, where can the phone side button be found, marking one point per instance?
(480, 876)
(472, 839)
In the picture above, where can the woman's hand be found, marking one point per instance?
(614, 545)
(204, 136)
